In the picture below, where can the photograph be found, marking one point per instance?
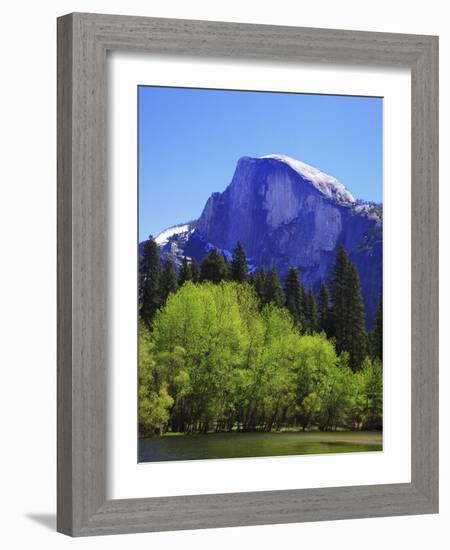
(221, 294)
(260, 274)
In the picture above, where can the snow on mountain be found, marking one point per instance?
(164, 237)
(327, 185)
(370, 209)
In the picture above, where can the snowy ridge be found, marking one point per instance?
(327, 185)
(164, 237)
(369, 209)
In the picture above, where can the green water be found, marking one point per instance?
(235, 445)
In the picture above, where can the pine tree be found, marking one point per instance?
(273, 292)
(293, 295)
(214, 267)
(347, 314)
(304, 320)
(357, 344)
(168, 280)
(259, 283)
(377, 332)
(311, 312)
(324, 309)
(227, 267)
(239, 267)
(185, 273)
(195, 271)
(150, 281)
(339, 313)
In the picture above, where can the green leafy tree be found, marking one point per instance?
(273, 292)
(168, 280)
(274, 391)
(315, 365)
(214, 267)
(154, 399)
(239, 267)
(214, 360)
(185, 273)
(178, 382)
(207, 322)
(373, 414)
(337, 392)
(150, 281)
(367, 410)
(310, 409)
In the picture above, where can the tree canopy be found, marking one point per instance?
(215, 361)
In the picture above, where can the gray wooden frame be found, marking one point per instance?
(83, 40)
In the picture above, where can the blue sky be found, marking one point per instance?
(191, 139)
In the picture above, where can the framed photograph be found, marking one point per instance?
(247, 274)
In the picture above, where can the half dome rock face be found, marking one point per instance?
(265, 195)
(289, 214)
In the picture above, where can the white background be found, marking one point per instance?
(130, 480)
(28, 252)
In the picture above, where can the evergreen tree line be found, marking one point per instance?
(338, 310)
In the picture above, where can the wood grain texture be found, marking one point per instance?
(83, 40)
(64, 297)
(425, 272)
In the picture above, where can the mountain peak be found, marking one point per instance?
(326, 184)
(286, 213)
